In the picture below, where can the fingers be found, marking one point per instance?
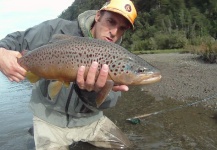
(21, 71)
(9, 66)
(13, 78)
(122, 88)
(14, 75)
(102, 77)
(15, 72)
(80, 77)
(92, 82)
(18, 76)
(19, 55)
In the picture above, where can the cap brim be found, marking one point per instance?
(120, 13)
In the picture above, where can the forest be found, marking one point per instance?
(162, 24)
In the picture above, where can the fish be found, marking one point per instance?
(60, 59)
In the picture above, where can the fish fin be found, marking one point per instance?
(59, 37)
(54, 88)
(66, 84)
(32, 77)
(103, 93)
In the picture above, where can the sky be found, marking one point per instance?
(19, 15)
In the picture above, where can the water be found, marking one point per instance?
(181, 129)
(15, 118)
(187, 128)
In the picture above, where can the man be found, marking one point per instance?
(69, 117)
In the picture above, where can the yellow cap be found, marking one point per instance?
(122, 7)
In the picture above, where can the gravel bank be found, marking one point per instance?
(184, 77)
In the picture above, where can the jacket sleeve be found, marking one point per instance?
(89, 98)
(41, 34)
(35, 36)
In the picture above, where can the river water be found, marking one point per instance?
(15, 117)
(186, 128)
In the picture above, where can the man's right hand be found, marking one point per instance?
(9, 66)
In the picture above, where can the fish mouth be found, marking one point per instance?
(152, 79)
(148, 79)
(132, 79)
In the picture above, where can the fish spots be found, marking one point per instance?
(69, 54)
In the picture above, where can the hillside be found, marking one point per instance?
(162, 24)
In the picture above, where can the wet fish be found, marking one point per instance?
(63, 55)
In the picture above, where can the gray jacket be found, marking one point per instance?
(70, 107)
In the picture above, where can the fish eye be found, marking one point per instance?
(142, 69)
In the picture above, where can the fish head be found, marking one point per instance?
(133, 71)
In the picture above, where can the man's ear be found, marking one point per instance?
(97, 17)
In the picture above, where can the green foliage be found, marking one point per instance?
(162, 24)
(148, 44)
(172, 40)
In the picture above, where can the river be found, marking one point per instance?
(15, 117)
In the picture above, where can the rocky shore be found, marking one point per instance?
(184, 77)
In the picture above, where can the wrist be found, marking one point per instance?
(1, 55)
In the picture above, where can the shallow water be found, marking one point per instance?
(184, 128)
(15, 118)
(174, 129)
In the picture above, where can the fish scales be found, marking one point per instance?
(60, 59)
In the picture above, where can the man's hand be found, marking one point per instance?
(9, 66)
(91, 83)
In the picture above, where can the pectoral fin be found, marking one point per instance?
(32, 77)
(54, 88)
(103, 93)
(66, 84)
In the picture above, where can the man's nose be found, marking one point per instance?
(114, 31)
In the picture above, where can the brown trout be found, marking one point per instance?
(63, 55)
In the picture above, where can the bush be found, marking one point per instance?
(137, 46)
(198, 40)
(149, 44)
(207, 50)
(170, 41)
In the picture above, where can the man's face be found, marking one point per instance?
(109, 26)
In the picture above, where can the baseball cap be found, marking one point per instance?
(123, 7)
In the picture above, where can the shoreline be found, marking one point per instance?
(184, 77)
